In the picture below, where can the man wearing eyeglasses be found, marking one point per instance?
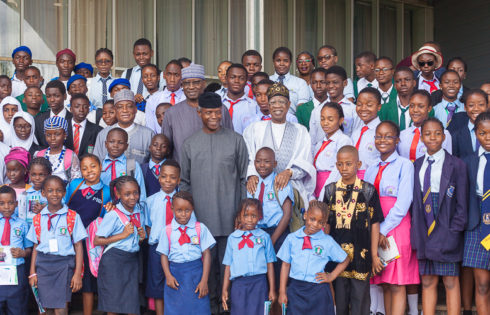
(327, 57)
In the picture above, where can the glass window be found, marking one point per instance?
(238, 30)
(10, 26)
(388, 26)
(309, 23)
(363, 32)
(335, 31)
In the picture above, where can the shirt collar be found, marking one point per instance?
(121, 158)
(95, 187)
(316, 103)
(268, 179)
(481, 151)
(334, 137)
(471, 126)
(151, 163)
(13, 217)
(99, 78)
(60, 114)
(243, 98)
(164, 194)
(83, 123)
(445, 103)
(126, 212)
(191, 224)
(436, 156)
(390, 159)
(238, 233)
(63, 210)
(31, 189)
(128, 129)
(373, 123)
(317, 235)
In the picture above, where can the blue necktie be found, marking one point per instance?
(281, 78)
(140, 86)
(104, 89)
(451, 108)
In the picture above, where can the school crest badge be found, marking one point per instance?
(428, 208)
(370, 147)
(270, 195)
(318, 250)
(63, 230)
(259, 240)
(195, 240)
(450, 191)
(486, 218)
(90, 149)
(17, 232)
(390, 190)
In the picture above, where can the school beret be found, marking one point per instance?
(209, 100)
(68, 52)
(277, 89)
(124, 95)
(55, 122)
(73, 78)
(22, 48)
(427, 50)
(83, 65)
(194, 71)
(120, 81)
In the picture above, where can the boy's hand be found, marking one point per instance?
(17, 253)
(377, 265)
(37, 207)
(109, 206)
(323, 277)
(76, 282)
(202, 288)
(224, 300)
(33, 281)
(172, 283)
(272, 296)
(282, 179)
(252, 183)
(283, 298)
(139, 98)
(141, 233)
(383, 242)
(128, 230)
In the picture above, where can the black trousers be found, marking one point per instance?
(353, 293)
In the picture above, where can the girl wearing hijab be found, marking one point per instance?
(8, 107)
(21, 132)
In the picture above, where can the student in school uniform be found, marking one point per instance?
(116, 163)
(304, 287)
(222, 68)
(257, 77)
(5, 86)
(105, 116)
(392, 176)
(185, 246)
(99, 85)
(327, 57)
(242, 109)
(368, 104)
(459, 65)
(56, 265)
(366, 77)
(142, 53)
(121, 232)
(33, 78)
(439, 214)
(450, 104)
(17, 172)
(248, 261)
(8, 107)
(262, 109)
(33, 100)
(84, 69)
(56, 96)
(150, 77)
(160, 114)
(319, 88)
(464, 139)
(476, 239)
(14, 298)
(411, 145)
(159, 216)
(21, 58)
(65, 62)
(172, 93)
(77, 84)
(298, 88)
(81, 132)
(160, 150)
(384, 71)
(39, 170)
(427, 60)
(252, 61)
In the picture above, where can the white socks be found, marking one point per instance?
(413, 304)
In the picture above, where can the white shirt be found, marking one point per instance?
(368, 154)
(60, 114)
(18, 87)
(134, 80)
(278, 133)
(244, 112)
(95, 91)
(385, 96)
(349, 89)
(81, 130)
(425, 86)
(152, 103)
(363, 82)
(327, 159)
(128, 129)
(481, 171)
(299, 92)
(406, 138)
(408, 119)
(435, 172)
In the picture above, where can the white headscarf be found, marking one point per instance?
(14, 140)
(4, 125)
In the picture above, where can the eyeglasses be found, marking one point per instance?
(377, 70)
(282, 103)
(22, 127)
(325, 58)
(390, 138)
(423, 63)
(303, 60)
(103, 61)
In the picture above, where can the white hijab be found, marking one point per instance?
(4, 125)
(14, 140)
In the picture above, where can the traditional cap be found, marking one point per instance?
(22, 48)
(120, 81)
(277, 89)
(124, 95)
(427, 50)
(68, 52)
(193, 71)
(56, 122)
(73, 78)
(209, 100)
(20, 155)
(83, 65)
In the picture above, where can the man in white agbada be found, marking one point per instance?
(290, 142)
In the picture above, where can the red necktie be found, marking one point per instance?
(6, 232)
(87, 190)
(261, 193)
(231, 106)
(250, 92)
(266, 118)
(135, 220)
(50, 217)
(246, 240)
(157, 169)
(76, 139)
(169, 215)
(324, 145)
(432, 85)
(172, 98)
(307, 243)
(184, 238)
(413, 146)
(113, 170)
(363, 130)
(377, 180)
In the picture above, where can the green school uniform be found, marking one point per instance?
(44, 106)
(303, 113)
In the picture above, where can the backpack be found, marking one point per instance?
(168, 228)
(130, 167)
(128, 73)
(71, 217)
(66, 160)
(297, 212)
(94, 252)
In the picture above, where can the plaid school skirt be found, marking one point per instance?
(431, 267)
(475, 255)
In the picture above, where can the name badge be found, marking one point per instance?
(195, 240)
(53, 245)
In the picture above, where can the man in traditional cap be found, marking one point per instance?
(291, 143)
(182, 120)
(214, 164)
(139, 136)
(65, 62)
(21, 58)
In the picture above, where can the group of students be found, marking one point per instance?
(91, 199)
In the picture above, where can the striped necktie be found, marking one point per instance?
(430, 218)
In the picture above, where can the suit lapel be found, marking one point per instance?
(85, 138)
(447, 170)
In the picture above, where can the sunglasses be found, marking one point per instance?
(429, 63)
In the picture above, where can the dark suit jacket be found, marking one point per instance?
(39, 131)
(458, 121)
(436, 96)
(474, 212)
(461, 137)
(88, 139)
(445, 243)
